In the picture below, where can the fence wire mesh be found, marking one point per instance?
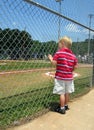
(28, 33)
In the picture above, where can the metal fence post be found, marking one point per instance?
(93, 71)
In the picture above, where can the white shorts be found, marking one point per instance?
(63, 87)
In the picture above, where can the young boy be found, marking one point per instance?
(65, 62)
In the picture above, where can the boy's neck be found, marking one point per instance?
(64, 47)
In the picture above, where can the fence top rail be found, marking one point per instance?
(56, 13)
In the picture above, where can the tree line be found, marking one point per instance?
(16, 44)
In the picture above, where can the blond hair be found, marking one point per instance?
(67, 41)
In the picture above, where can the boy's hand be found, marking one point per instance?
(51, 60)
(50, 57)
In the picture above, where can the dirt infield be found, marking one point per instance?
(40, 69)
(51, 74)
(85, 65)
(25, 71)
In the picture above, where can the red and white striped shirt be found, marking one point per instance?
(66, 61)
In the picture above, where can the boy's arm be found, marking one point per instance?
(51, 60)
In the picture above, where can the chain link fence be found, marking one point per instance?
(28, 33)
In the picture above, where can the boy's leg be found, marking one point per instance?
(62, 104)
(66, 101)
(66, 98)
(62, 100)
(68, 89)
(59, 88)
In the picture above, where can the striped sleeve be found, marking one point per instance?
(55, 57)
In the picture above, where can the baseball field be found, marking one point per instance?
(26, 89)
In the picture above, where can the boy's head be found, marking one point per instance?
(65, 42)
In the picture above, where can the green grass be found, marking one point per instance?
(23, 65)
(22, 82)
(11, 84)
(84, 72)
(26, 94)
(21, 106)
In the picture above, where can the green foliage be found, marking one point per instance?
(81, 48)
(50, 47)
(16, 44)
